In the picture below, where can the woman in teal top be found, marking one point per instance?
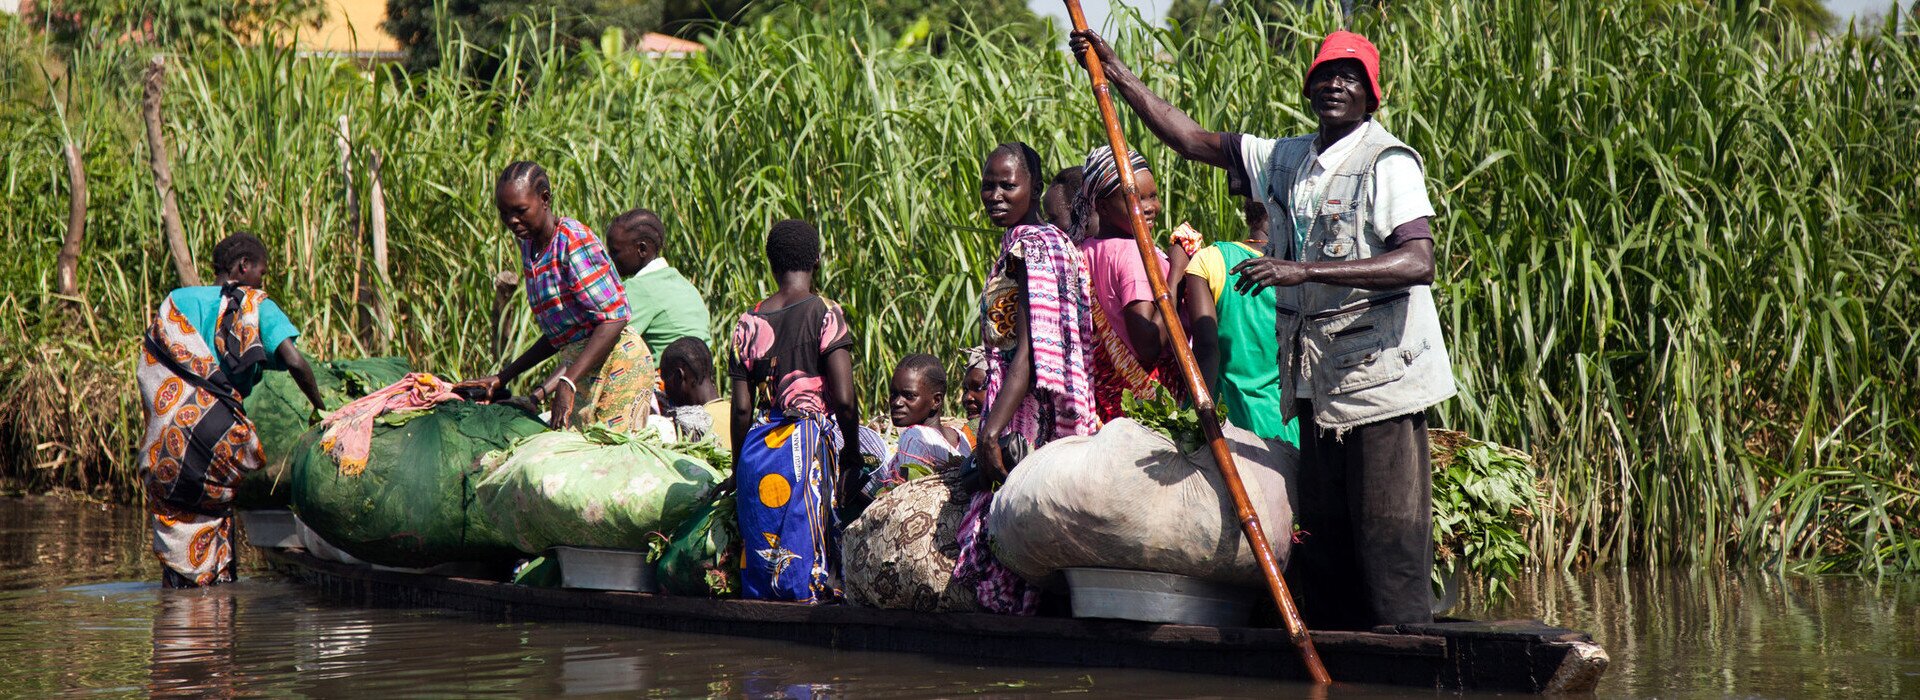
(199, 359)
(1233, 334)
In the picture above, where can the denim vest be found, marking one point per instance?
(1366, 354)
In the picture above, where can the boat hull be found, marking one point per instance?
(1510, 656)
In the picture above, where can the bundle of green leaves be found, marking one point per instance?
(1484, 500)
(1163, 415)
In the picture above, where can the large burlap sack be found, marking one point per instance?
(900, 553)
(279, 413)
(597, 488)
(1126, 498)
(410, 507)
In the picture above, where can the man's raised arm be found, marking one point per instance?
(1175, 129)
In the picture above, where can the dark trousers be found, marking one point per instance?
(1366, 509)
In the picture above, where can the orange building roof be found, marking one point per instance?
(662, 45)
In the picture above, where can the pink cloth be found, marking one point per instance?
(1115, 278)
(997, 587)
(348, 433)
(1061, 331)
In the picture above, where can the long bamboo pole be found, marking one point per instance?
(1183, 354)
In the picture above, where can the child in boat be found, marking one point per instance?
(689, 397)
(927, 445)
(973, 390)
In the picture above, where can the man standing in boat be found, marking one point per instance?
(1350, 253)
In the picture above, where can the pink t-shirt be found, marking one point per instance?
(1118, 279)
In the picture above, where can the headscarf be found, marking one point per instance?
(976, 359)
(1102, 179)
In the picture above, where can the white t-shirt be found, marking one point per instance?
(1399, 188)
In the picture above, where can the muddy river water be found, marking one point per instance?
(81, 614)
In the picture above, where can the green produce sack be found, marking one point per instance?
(412, 505)
(702, 558)
(280, 412)
(597, 488)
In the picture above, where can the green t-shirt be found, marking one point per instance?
(1248, 388)
(666, 307)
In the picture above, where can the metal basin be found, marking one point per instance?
(605, 569)
(1151, 596)
(270, 528)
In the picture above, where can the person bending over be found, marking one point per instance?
(200, 359)
(665, 306)
(606, 373)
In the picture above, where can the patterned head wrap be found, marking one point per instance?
(976, 359)
(1102, 179)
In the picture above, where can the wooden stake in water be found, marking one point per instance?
(1196, 385)
(154, 84)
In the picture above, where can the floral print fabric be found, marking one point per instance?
(198, 441)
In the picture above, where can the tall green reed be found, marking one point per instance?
(1677, 249)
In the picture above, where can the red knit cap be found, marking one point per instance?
(1345, 44)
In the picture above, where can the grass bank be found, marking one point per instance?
(1678, 249)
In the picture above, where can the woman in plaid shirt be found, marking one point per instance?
(581, 308)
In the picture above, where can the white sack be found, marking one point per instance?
(1125, 498)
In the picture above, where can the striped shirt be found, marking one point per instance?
(571, 284)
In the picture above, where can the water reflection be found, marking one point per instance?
(1720, 633)
(62, 632)
(193, 646)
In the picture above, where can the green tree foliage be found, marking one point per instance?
(487, 23)
(166, 22)
(934, 22)
(419, 25)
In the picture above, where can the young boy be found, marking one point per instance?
(927, 446)
(692, 399)
(973, 391)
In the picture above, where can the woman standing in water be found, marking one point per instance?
(200, 359)
(1037, 329)
(1130, 337)
(792, 353)
(607, 371)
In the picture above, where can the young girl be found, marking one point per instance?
(927, 445)
(792, 354)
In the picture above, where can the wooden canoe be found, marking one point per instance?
(1507, 656)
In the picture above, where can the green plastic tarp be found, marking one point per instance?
(280, 415)
(596, 488)
(412, 507)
